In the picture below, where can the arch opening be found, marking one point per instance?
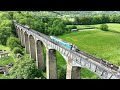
(61, 66)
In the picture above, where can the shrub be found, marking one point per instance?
(74, 27)
(25, 68)
(17, 50)
(104, 27)
(13, 42)
(71, 27)
(61, 72)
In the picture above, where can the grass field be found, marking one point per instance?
(102, 44)
(112, 26)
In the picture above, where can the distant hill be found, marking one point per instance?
(85, 13)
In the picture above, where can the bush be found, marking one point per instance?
(74, 27)
(104, 27)
(25, 68)
(13, 42)
(61, 73)
(71, 27)
(17, 50)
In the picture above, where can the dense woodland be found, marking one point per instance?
(49, 23)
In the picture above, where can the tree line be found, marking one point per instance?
(46, 25)
(97, 19)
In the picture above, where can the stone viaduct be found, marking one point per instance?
(33, 42)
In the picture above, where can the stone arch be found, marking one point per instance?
(32, 47)
(40, 55)
(26, 42)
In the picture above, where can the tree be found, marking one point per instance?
(25, 68)
(13, 42)
(17, 50)
(104, 27)
(5, 32)
(77, 20)
(60, 28)
(97, 20)
(105, 19)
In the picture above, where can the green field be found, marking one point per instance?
(112, 26)
(102, 44)
(99, 43)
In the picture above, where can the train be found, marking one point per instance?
(64, 43)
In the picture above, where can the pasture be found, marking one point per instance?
(102, 44)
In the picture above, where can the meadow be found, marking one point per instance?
(102, 44)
